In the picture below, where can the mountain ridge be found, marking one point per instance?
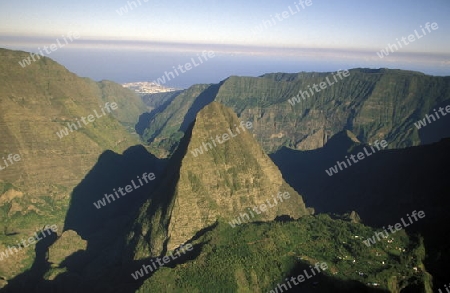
(373, 104)
(35, 103)
(195, 198)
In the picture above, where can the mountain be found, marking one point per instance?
(373, 104)
(156, 103)
(309, 137)
(195, 202)
(158, 100)
(168, 126)
(204, 188)
(218, 191)
(37, 103)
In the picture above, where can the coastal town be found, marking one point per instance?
(144, 87)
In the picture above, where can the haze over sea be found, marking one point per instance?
(248, 38)
(146, 62)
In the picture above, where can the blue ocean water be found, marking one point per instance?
(120, 66)
(133, 65)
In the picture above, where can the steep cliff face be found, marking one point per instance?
(226, 181)
(373, 104)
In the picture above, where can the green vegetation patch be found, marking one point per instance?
(255, 257)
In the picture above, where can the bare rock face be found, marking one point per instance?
(229, 179)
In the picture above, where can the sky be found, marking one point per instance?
(248, 38)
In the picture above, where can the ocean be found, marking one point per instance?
(130, 65)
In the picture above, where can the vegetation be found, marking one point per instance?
(252, 257)
(36, 191)
(370, 103)
(256, 256)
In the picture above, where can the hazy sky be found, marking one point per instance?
(356, 27)
(326, 24)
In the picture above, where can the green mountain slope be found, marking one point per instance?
(208, 185)
(221, 183)
(36, 102)
(258, 257)
(165, 129)
(196, 200)
(373, 104)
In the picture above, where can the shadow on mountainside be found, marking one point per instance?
(436, 130)
(133, 285)
(112, 171)
(205, 98)
(104, 229)
(30, 279)
(108, 262)
(382, 189)
(106, 265)
(146, 118)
